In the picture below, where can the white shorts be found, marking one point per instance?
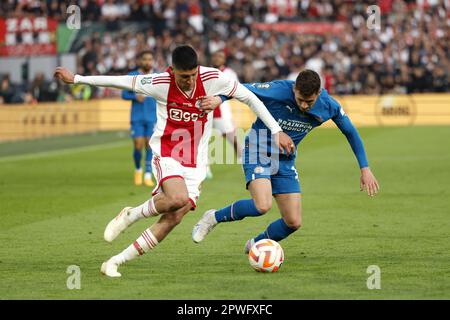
(224, 122)
(165, 168)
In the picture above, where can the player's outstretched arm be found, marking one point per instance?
(120, 82)
(209, 103)
(367, 181)
(283, 141)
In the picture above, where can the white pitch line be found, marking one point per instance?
(59, 152)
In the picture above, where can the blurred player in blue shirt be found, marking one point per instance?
(143, 119)
(298, 107)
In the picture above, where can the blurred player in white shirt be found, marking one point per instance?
(223, 117)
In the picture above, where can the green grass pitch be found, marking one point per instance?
(55, 204)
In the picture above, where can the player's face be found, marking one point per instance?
(185, 79)
(218, 59)
(305, 103)
(146, 62)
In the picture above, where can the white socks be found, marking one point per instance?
(143, 244)
(145, 210)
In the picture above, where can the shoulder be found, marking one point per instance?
(230, 72)
(154, 79)
(276, 89)
(327, 99)
(283, 85)
(157, 78)
(330, 103)
(273, 85)
(154, 84)
(206, 73)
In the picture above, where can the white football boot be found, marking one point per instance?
(117, 225)
(109, 268)
(248, 245)
(204, 226)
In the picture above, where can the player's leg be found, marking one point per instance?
(291, 218)
(286, 190)
(147, 241)
(170, 195)
(137, 133)
(172, 188)
(260, 203)
(148, 156)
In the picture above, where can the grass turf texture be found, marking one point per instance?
(54, 207)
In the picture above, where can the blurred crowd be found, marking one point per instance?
(409, 53)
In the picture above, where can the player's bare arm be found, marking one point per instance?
(284, 142)
(369, 182)
(209, 103)
(64, 75)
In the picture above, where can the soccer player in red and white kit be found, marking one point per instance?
(179, 142)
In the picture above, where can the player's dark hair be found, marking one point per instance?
(143, 53)
(308, 82)
(184, 58)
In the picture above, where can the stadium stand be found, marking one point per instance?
(410, 54)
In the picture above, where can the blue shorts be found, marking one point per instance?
(142, 129)
(281, 173)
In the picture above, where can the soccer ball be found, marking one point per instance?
(266, 255)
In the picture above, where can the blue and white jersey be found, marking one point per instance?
(279, 98)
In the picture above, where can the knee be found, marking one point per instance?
(263, 206)
(295, 223)
(179, 201)
(174, 218)
(138, 145)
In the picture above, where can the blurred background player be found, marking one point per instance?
(298, 107)
(142, 120)
(223, 118)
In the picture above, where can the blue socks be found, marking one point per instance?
(237, 211)
(277, 230)
(148, 160)
(137, 156)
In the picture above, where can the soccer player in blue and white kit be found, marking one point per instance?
(298, 107)
(143, 120)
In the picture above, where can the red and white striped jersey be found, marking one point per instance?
(182, 131)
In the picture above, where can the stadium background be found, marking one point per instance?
(65, 154)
